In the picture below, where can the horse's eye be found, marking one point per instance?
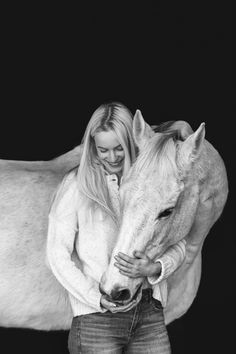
(165, 213)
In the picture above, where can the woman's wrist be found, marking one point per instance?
(155, 269)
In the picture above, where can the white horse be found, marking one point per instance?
(176, 189)
(180, 184)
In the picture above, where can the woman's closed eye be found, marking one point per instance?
(102, 150)
(117, 148)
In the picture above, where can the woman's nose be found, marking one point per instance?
(112, 156)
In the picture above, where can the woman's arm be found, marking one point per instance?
(169, 261)
(62, 230)
(155, 271)
(60, 245)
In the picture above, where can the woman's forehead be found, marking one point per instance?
(106, 139)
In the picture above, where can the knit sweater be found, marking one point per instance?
(71, 229)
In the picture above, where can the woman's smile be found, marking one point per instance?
(115, 164)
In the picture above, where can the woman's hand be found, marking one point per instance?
(112, 307)
(140, 266)
(107, 304)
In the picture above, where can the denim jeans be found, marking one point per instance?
(140, 330)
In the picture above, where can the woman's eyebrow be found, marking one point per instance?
(102, 147)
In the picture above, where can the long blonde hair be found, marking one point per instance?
(91, 174)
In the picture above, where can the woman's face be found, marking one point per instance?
(110, 151)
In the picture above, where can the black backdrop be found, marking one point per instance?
(172, 61)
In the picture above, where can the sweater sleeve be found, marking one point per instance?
(62, 231)
(170, 261)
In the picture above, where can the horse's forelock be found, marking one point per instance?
(158, 153)
(180, 129)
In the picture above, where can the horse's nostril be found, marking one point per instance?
(120, 294)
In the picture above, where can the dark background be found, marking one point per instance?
(172, 61)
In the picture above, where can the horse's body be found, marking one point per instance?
(31, 297)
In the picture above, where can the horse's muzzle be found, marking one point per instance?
(121, 296)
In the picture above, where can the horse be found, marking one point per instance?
(176, 189)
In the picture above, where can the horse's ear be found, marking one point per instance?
(141, 130)
(191, 147)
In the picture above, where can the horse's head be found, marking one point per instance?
(159, 198)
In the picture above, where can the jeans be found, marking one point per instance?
(140, 330)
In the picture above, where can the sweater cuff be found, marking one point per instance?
(166, 267)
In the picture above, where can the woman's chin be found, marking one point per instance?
(114, 169)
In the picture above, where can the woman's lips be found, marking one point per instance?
(116, 164)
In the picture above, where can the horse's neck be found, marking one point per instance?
(212, 168)
(212, 179)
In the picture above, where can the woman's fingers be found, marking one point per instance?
(129, 274)
(126, 258)
(107, 304)
(124, 270)
(122, 267)
(127, 266)
(124, 308)
(115, 307)
(121, 262)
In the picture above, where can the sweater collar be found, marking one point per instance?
(113, 179)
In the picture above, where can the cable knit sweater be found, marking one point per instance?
(71, 229)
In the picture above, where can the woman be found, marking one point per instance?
(82, 222)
